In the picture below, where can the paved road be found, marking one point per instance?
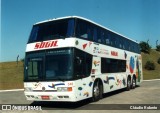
(147, 93)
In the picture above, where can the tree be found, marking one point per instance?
(158, 48)
(158, 61)
(150, 65)
(144, 47)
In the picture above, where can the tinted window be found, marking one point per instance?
(121, 41)
(34, 68)
(82, 64)
(112, 65)
(125, 44)
(138, 49)
(107, 38)
(58, 67)
(83, 30)
(128, 45)
(52, 30)
(95, 34)
(113, 38)
(51, 64)
(89, 31)
(99, 35)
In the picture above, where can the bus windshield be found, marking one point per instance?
(58, 67)
(52, 30)
(50, 65)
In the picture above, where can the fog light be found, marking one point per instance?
(28, 89)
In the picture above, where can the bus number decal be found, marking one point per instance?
(70, 83)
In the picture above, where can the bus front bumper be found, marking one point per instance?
(50, 96)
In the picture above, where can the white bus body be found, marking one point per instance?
(73, 68)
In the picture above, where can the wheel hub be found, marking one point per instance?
(96, 91)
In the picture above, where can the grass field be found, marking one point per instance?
(153, 56)
(11, 74)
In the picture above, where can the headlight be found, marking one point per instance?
(64, 89)
(28, 89)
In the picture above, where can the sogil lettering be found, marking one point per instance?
(48, 44)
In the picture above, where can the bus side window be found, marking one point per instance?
(120, 42)
(124, 43)
(83, 30)
(107, 39)
(109, 65)
(128, 45)
(102, 35)
(137, 48)
(113, 40)
(95, 34)
(99, 35)
(83, 64)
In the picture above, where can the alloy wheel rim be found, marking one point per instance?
(134, 83)
(96, 91)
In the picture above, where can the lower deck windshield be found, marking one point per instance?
(57, 64)
(49, 65)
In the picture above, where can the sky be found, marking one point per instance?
(136, 19)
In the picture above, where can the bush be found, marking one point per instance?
(150, 65)
(22, 60)
(158, 61)
(145, 47)
(158, 48)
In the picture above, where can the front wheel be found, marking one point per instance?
(97, 92)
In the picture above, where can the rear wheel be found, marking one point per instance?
(128, 84)
(133, 83)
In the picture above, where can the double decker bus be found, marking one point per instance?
(73, 58)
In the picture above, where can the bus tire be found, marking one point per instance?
(101, 91)
(133, 83)
(96, 92)
(128, 84)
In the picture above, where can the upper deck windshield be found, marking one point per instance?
(52, 30)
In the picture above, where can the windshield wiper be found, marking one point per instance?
(60, 79)
(58, 36)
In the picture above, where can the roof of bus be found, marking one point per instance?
(85, 20)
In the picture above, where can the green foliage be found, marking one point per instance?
(158, 48)
(22, 60)
(144, 47)
(158, 61)
(150, 65)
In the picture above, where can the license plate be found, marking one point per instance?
(45, 97)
